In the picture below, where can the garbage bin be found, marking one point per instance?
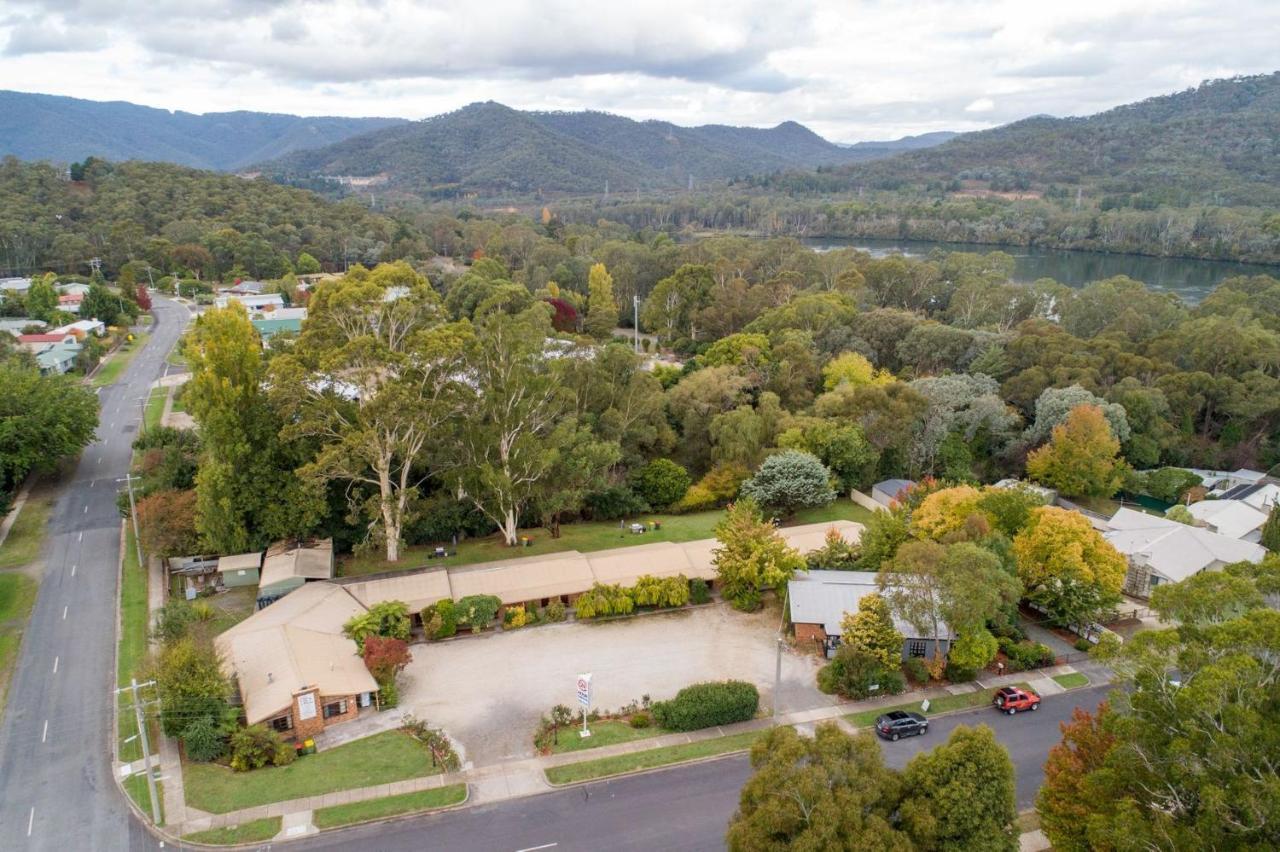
(309, 747)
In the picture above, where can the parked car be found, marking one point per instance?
(1011, 699)
(899, 723)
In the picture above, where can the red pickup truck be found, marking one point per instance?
(1011, 699)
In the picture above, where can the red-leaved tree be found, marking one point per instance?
(143, 297)
(385, 657)
(1068, 797)
(166, 523)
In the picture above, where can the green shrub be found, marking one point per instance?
(706, 705)
(1026, 655)
(661, 482)
(663, 592)
(748, 600)
(916, 670)
(698, 591)
(555, 611)
(1083, 644)
(602, 600)
(440, 620)
(388, 694)
(641, 720)
(477, 611)
(254, 746)
(202, 741)
(956, 674)
(173, 621)
(853, 672)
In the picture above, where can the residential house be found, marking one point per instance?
(75, 288)
(289, 565)
(246, 288)
(887, 492)
(818, 601)
(1048, 495)
(84, 327)
(1262, 495)
(20, 325)
(15, 286)
(55, 353)
(1163, 551)
(294, 670)
(270, 323)
(1232, 518)
(70, 302)
(1218, 482)
(251, 302)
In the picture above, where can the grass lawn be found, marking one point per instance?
(117, 361)
(586, 536)
(1071, 680)
(605, 766)
(424, 800)
(134, 624)
(942, 704)
(136, 787)
(232, 607)
(155, 408)
(17, 597)
(603, 734)
(250, 832)
(379, 759)
(27, 534)
(1027, 821)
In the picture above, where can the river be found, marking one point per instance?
(1192, 280)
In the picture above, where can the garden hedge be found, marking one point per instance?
(705, 705)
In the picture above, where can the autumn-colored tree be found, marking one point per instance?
(1083, 457)
(385, 656)
(143, 297)
(751, 556)
(1066, 565)
(1271, 530)
(602, 309)
(871, 629)
(167, 525)
(945, 512)
(1068, 799)
(854, 370)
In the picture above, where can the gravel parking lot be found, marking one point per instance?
(488, 692)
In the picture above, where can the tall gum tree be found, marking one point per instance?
(375, 377)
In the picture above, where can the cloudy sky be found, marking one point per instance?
(851, 69)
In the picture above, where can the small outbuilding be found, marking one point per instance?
(289, 565)
(819, 600)
(240, 570)
(887, 492)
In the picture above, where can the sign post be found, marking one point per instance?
(584, 698)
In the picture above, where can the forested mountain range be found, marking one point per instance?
(489, 148)
(1218, 143)
(65, 130)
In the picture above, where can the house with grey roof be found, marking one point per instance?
(887, 492)
(818, 601)
(1162, 551)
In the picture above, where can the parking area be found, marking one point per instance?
(488, 692)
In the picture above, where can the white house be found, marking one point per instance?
(16, 286)
(1232, 518)
(1163, 551)
(819, 600)
(1262, 495)
(81, 328)
(252, 302)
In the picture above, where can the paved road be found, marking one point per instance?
(684, 808)
(56, 790)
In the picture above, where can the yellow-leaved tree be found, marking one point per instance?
(854, 370)
(1067, 566)
(1083, 457)
(945, 512)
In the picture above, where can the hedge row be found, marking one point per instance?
(705, 705)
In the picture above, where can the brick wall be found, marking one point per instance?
(810, 633)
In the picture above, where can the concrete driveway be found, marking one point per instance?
(488, 692)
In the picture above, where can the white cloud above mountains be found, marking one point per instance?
(866, 69)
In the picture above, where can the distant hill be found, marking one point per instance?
(490, 148)
(906, 143)
(1218, 143)
(59, 129)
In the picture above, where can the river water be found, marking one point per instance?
(1192, 280)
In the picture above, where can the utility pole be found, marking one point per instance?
(146, 742)
(133, 516)
(635, 307)
(777, 678)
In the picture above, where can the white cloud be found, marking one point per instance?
(851, 70)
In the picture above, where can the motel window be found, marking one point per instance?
(337, 708)
(916, 648)
(282, 723)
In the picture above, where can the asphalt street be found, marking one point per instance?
(685, 808)
(56, 790)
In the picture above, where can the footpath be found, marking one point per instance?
(526, 777)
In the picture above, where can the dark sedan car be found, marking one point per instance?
(899, 723)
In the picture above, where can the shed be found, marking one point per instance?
(818, 601)
(240, 570)
(290, 564)
(887, 492)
